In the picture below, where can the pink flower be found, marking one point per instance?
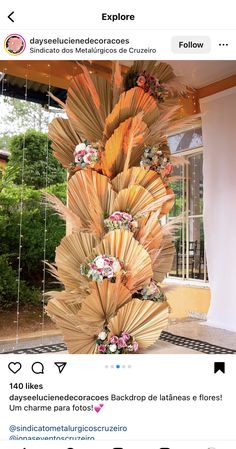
(125, 336)
(121, 343)
(135, 346)
(116, 216)
(87, 158)
(80, 153)
(127, 217)
(141, 81)
(102, 348)
(114, 339)
(168, 168)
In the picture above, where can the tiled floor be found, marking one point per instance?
(196, 338)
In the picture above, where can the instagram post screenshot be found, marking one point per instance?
(117, 225)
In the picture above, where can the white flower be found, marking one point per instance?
(80, 147)
(152, 288)
(87, 158)
(102, 336)
(99, 263)
(130, 348)
(116, 266)
(113, 348)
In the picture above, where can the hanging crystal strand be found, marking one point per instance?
(3, 83)
(21, 223)
(45, 223)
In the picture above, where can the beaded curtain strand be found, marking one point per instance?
(45, 221)
(21, 222)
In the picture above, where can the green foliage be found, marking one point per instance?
(33, 235)
(7, 177)
(35, 144)
(4, 141)
(9, 287)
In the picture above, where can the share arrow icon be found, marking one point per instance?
(60, 366)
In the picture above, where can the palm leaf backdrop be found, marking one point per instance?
(120, 122)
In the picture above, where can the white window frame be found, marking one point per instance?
(185, 279)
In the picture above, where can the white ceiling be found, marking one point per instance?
(201, 73)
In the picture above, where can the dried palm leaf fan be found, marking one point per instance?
(65, 317)
(143, 320)
(118, 247)
(92, 201)
(64, 140)
(103, 303)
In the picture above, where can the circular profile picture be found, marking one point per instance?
(14, 44)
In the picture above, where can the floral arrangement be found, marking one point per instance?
(86, 155)
(103, 267)
(149, 83)
(115, 344)
(152, 86)
(157, 158)
(152, 292)
(120, 220)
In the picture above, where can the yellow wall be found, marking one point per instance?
(2, 164)
(185, 299)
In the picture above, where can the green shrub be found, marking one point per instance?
(35, 144)
(9, 287)
(32, 229)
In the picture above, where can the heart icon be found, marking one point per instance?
(98, 408)
(14, 367)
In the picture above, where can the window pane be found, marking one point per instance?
(196, 252)
(187, 140)
(195, 184)
(178, 263)
(177, 187)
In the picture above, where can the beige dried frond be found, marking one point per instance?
(178, 160)
(122, 144)
(64, 140)
(67, 296)
(66, 318)
(158, 130)
(102, 304)
(149, 232)
(89, 101)
(134, 200)
(164, 258)
(184, 124)
(148, 179)
(143, 320)
(122, 245)
(88, 84)
(117, 81)
(129, 105)
(70, 254)
(64, 212)
(167, 205)
(90, 197)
